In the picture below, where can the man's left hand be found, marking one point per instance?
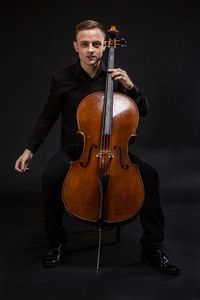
(122, 77)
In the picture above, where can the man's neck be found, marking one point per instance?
(91, 70)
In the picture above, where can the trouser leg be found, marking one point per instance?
(53, 208)
(52, 181)
(151, 214)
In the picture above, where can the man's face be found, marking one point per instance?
(90, 45)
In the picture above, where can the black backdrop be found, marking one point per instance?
(163, 58)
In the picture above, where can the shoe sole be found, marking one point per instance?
(174, 273)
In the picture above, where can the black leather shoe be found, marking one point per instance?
(155, 257)
(54, 254)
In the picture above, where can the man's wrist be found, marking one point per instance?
(130, 87)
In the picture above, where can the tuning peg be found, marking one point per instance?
(123, 42)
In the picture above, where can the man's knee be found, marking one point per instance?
(53, 176)
(47, 177)
(153, 173)
(150, 176)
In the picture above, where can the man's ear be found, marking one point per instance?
(75, 46)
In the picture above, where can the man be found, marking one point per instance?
(68, 87)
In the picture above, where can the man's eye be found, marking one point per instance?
(84, 44)
(96, 44)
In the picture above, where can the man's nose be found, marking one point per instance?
(90, 48)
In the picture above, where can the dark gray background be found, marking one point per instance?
(163, 58)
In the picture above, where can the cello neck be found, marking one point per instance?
(108, 97)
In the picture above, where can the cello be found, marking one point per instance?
(103, 186)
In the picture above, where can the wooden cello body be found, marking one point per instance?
(104, 171)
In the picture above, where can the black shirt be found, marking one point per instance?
(68, 87)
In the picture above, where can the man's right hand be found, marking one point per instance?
(22, 163)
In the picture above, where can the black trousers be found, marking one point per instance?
(151, 214)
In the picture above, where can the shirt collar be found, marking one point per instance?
(78, 70)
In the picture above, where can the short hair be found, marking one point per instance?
(89, 24)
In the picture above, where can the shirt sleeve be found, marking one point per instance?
(139, 98)
(47, 118)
